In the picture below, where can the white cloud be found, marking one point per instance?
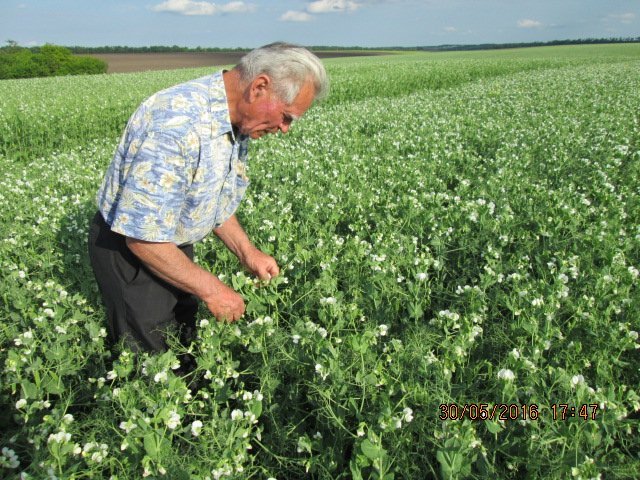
(450, 29)
(293, 16)
(325, 6)
(528, 23)
(237, 7)
(192, 7)
(623, 17)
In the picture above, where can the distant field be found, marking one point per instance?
(140, 62)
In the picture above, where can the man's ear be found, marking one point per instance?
(259, 86)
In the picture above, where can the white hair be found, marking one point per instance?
(289, 66)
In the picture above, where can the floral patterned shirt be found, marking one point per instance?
(179, 171)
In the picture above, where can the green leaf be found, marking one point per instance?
(30, 390)
(355, 470)
(371, 379)
(450, 462)
(493, 427)
(256, 408)
(154, 445)
(151, 444)
(371, 451)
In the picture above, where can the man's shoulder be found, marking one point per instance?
(200, 84)
(184, 96)
(182, 104)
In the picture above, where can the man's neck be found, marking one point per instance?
(232, 86)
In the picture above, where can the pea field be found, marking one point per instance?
(459, 240)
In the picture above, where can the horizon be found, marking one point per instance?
(559, 41)
(354, 23)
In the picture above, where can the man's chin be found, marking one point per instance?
(258, 134)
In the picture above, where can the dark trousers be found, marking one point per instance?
(141, 308)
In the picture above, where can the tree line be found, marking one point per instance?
(496, 46)
(45, 61)
(484, 46)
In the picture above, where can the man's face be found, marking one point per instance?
(265, 113)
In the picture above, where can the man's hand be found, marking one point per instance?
(226, 304)
(260, 264)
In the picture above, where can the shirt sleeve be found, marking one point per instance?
(153, 188)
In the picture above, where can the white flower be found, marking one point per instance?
(236, 414)
(160, 377)
(328, 301)
(475, 331)
(421, 276)
(296, 338)
(111, 375)
(506, 374)
(577, 380)
(196, 427)
(407, 414)
(60, 437)
(21, 403)
(515, 353)
(127, 426)
(12, 459)
(537, 302)
(49, 313)
(174, 420)
(382, 330)
(321, 371)
(67, 418)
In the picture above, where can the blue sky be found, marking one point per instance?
(368, 23)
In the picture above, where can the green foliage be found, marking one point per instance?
(49, 61)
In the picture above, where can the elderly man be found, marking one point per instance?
(179, 172)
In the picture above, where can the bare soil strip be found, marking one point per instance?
(139, 62)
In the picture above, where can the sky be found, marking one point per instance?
(366, 23)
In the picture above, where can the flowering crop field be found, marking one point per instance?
(459, 236)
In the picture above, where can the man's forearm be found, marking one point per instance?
(168, 262)
(235, 238)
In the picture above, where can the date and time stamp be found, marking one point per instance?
(514, 411)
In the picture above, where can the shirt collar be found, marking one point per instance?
(219, 107)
